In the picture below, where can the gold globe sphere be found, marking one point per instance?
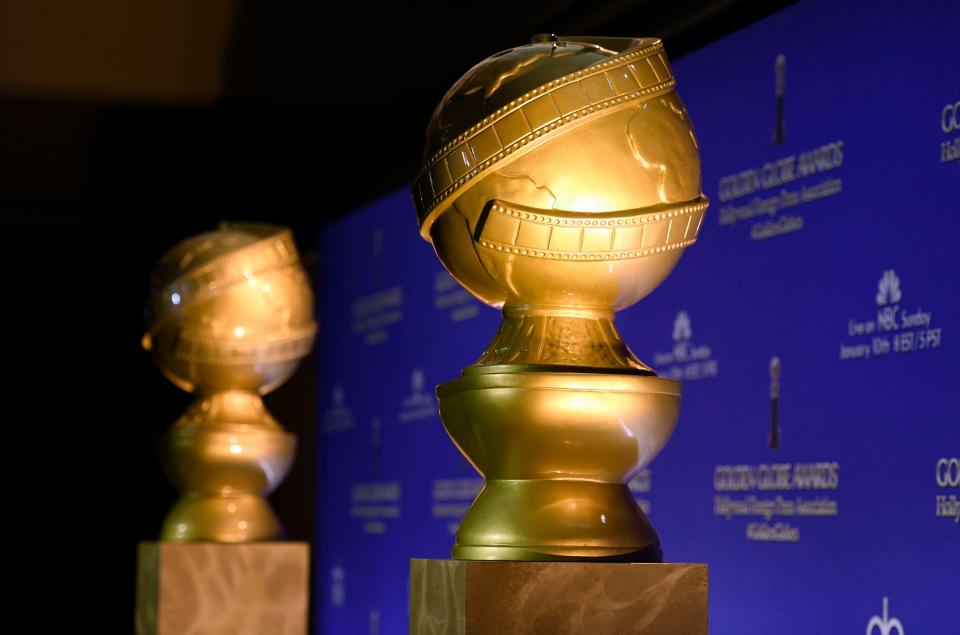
(562, 174)
(229, 318)
(231, 308)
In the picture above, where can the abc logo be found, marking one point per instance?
(948, 472)
(950, 117)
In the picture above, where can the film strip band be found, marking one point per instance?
(634, 74)
(578, 236)
(275, 250)
(295, 344)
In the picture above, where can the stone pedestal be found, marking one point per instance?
(457, 597)
(210, 588)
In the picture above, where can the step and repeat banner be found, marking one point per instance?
(815, 327)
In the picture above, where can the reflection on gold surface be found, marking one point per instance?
(561, 183)
(230, 317)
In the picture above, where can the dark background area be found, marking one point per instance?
(313, 110)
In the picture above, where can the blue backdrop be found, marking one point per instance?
(830, 246)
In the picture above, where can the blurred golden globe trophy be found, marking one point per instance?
(561, 184)
(230, 316)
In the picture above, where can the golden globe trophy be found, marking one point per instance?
(561, 184)
(230, 317)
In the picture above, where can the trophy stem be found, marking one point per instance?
(581, 339)
(226, 453)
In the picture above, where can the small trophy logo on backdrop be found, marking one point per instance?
(780, 71)
(774, 439)
(376, 452)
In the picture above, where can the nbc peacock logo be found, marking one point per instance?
(884, 624)
(682, 332)
(888, 288)
(686, 360)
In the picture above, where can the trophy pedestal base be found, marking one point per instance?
(213, 588)
(463, 597)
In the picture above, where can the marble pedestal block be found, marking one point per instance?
(213, 589)
(457, 597)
